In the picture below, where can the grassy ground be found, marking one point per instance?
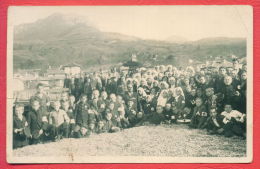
(174, 140)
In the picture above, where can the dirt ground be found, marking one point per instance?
(174, 140)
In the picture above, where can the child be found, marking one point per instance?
(234, 122)
(82, 118)
(200, 115)
(122, 121)
(170, 117)
(180, 102)
(20, 128)
(131, 113)
(59, 120)
(109, 125)
(214, 124)
(100, 127)
(155, 118)
(71, 114)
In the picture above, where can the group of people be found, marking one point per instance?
(210, 98)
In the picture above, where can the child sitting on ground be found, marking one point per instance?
(199, 116)
(234, 122)
(21, 130)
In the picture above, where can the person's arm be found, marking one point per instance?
(50, 118)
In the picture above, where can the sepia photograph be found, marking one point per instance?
(130, 84)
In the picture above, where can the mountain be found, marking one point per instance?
(176, 39)
(60, 39)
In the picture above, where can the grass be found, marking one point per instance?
(173, 140)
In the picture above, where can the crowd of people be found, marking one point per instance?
(210, 98)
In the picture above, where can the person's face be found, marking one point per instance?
(244, 67)
(130, 103)
(228, 80)
(83, 130)
(95, 95)
(130, 88)
(41, 89)
(187, 110)
(222, 71)
(193, 92)
(178, 92)
(209, 92)
(198, 102)
(65, 106)
(101, 124)
(139, 115)
(168, 106)
(243, 76)
(64, 96)
(104, 95)
(111, 106)
(159, 109)
(19, 111)
(84, 99)
(119, 99)
(113, 97)
(186, 81)
(228, 108)
(56, 106)
(229, 70)
(91, 126)
(122, 113)
(234, 73)
(35, 105)
(202, 80)
(109, 116)
(72, 99)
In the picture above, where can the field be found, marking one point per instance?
(174, 140)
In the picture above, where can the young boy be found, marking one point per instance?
(200, 115)
(131, 113)
(20, 127)
(234, 122)
(59, 120)
(71, 114)
(109, 125)
(122, 121)
(214, 124)
(168, 113)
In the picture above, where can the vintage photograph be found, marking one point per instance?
(130, 84)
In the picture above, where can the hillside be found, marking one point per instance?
(60, 39)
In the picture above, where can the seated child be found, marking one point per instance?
(122, 121)
(234, 122)
(59, 121)
(21, 130)
(214, 124)
(199, 116)
(169, 115)
(155, 118)
(109, 125)
(81, 131)
(100, 127)
(131, 113)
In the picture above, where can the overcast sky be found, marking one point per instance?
(153, 22)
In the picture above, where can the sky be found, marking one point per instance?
(152, 22)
